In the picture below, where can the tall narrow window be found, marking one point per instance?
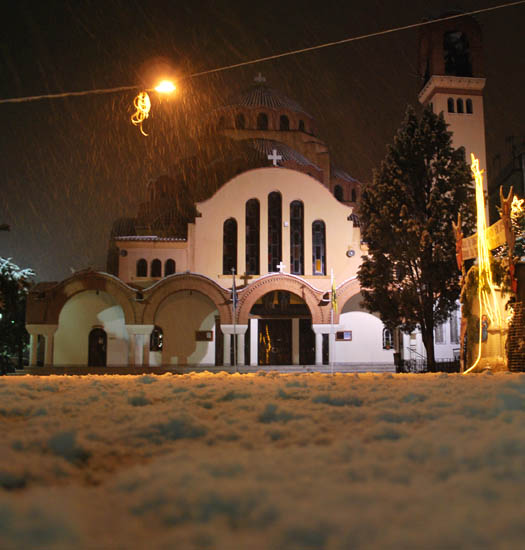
(156, 339)
(252, 236)
(460, 105)
(354, 195)
(229, 246)
(262, 121)
(454, 333)
(438, 334)
(274, 231)
(284, 123)
(470, 110)
(338, 193)
(450, 105)
(142, 268)
(388, 340)
(457, 54)
(318, 248)
(156, 268)
(297, 238)
(240, 122)
(169, 267)
(301, 125)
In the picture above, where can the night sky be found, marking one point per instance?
(71, 166)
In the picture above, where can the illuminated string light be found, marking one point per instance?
(142, 103)
(516, 208)
(488, 301)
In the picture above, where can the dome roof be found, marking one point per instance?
(262, 96)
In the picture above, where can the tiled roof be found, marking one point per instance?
(266, 147)
(342, 175)
(262, 96)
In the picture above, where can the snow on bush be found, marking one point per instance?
(266, 461)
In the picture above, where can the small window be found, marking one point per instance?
(142, 268)
(388, 340)
(438, 335)
(156, 339)
(301, 126)
(240, 122)
(169, 267)
(284, 123)
(454, 332)
(318, 248)
(338, 193)
(450, 104)
(354, 195)
(262, 121)
(470, 110)
(459, 104)
(156, 268)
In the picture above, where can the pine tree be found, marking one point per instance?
(14, 286)
(410, 275)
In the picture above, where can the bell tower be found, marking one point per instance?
(451, 73)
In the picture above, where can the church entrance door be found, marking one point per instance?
(275, 341)
(97, 354)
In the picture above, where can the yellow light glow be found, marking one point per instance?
(165, 87)
(516, 208)
(143, 105)
(488, 301)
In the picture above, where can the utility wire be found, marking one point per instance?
(269, 57)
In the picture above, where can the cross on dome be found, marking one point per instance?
(259, 79)
(274, 157)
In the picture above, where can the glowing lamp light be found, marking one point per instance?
(165, 87)
(143, 105)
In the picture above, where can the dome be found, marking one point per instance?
(258, 96)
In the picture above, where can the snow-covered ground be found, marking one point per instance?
(263, 461)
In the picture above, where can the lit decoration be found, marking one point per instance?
(143, 105)
(488, 301)
(516, 208)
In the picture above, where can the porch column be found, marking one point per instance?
(138, 348)
(295, 341)
(241, 331)
(319, 331)
(48, 357)
(254, 342)
(48, 331)
(33, 348)
(226, 350)
(228, 330)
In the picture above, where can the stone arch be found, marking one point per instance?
(90, 280)
(312, 298)
(344, 292)
(185, 281)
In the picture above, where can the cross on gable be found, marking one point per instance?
(280, 266)
(274, 157)
(259, 79)
(246, 278)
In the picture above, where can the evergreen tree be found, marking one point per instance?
(14, 286)
(410, 276)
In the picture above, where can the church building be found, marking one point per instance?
(233, 257)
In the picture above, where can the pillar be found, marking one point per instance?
(131, 350)
(48, 331)
(138, 345)
(254, 342)
(48, 357)
(33, 349)
(227, 350)
(318, 348)
(295, 341)
(240, 331)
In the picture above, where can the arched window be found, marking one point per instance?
(301, 125)
(470, 110)
(240, 122)
(169, 267)
(221, 124)
(318, 248)
(450, 104)
(156, 339)
(262, 121)
(459, 104)
(354, 195)
(338, 193)
(388, 340)
(229, 246)
(297, 238)
(156, 268)
(252, 236)
(274, 231)
(457, 54)
(284, 123)
(142, 268)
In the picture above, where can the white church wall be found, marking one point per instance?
(319, 204)
(180, 316)
(366, 345)
(78, 316)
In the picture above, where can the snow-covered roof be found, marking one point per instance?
(342, 175)
(266, 147)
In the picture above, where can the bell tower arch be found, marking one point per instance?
(452, 80)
